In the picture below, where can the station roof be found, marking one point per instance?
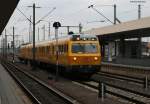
(122, 28)
(6, 9)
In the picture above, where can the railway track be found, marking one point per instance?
(39, 92)
(127, 95)
(133, 71)
(133, 79)
(116, 84)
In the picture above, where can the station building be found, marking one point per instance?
(125, 43)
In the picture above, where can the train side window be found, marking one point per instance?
(50, 50)
(47, 49)
(63, 49)
(66, 48)
(42, 50)
(59, 49)
(53, 49)
(39, 49)
(62, 46)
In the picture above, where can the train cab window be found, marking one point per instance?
(84, 48)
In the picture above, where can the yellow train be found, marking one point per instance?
(76, 53)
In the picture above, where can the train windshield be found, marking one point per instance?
(84, 48)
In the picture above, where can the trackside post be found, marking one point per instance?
(102, 90)
(56, 25)
(146, 82)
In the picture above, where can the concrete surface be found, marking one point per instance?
(10, 92)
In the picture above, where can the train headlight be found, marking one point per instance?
(95, 58)
(74, 58)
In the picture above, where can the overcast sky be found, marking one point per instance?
(73, 12)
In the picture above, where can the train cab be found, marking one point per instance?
(84, 53)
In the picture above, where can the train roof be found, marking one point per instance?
(62, 38)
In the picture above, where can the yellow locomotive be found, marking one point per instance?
(76, 53)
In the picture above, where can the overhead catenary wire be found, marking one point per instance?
(46, 15)
(24, 15)
(91, 6)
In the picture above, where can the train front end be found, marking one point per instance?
(84, 54)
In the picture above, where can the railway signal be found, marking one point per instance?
(56, 25)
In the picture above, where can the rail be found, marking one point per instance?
(116, 94)
(65, 99)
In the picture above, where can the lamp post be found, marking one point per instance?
(56, 25)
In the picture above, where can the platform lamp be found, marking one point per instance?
(56, 25)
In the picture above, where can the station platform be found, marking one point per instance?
(143, 62)
(127, 65)
(10, 92)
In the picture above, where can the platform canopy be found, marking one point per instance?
(130, 28)
(6, 9)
